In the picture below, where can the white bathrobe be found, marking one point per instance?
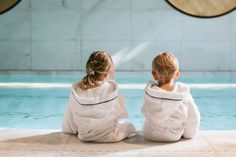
(169, 115)
(94, 114)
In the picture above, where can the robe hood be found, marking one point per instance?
(160, 104)
(90, 101)
(177, 94)
(95, 112)
(168, 112)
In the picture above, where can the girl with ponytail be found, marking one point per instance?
(98, 68)
(95, 106)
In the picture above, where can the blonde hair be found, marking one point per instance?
(165, 65)
(98, 65)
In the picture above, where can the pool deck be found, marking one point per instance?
(51, 143)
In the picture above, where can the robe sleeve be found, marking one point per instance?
(192, 123)
(122, 109)
(69, 125)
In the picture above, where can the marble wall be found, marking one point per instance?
(60, 35)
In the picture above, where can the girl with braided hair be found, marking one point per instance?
(95, 106)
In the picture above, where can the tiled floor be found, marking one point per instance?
(48, 143)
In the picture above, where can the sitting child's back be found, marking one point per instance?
(169, 109)
(95, 106)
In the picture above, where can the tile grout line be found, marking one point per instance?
(209, 144)
(65, 145)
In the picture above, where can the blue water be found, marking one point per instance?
(43, 108)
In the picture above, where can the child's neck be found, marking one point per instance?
(98, 83)
(168, 86)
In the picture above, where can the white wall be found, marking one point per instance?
(60, 35)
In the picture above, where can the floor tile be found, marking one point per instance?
(34, 141)
(184, 145)
(100, 153)
(226, 154)
(29, 153)
(179, 154)
(221, 140)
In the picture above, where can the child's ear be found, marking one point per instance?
(177, 74)
(111, 72)
(154, 75)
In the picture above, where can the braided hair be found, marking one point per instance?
(98, 65)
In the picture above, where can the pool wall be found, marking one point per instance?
(59, 35)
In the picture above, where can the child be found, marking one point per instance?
(169, 109)
(95, 106)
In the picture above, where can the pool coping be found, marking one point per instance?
(28, 142)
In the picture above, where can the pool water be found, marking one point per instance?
(39, 101)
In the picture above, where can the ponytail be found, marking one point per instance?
(87, 82)
(97, 67)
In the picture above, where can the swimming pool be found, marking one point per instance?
(39, 101)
